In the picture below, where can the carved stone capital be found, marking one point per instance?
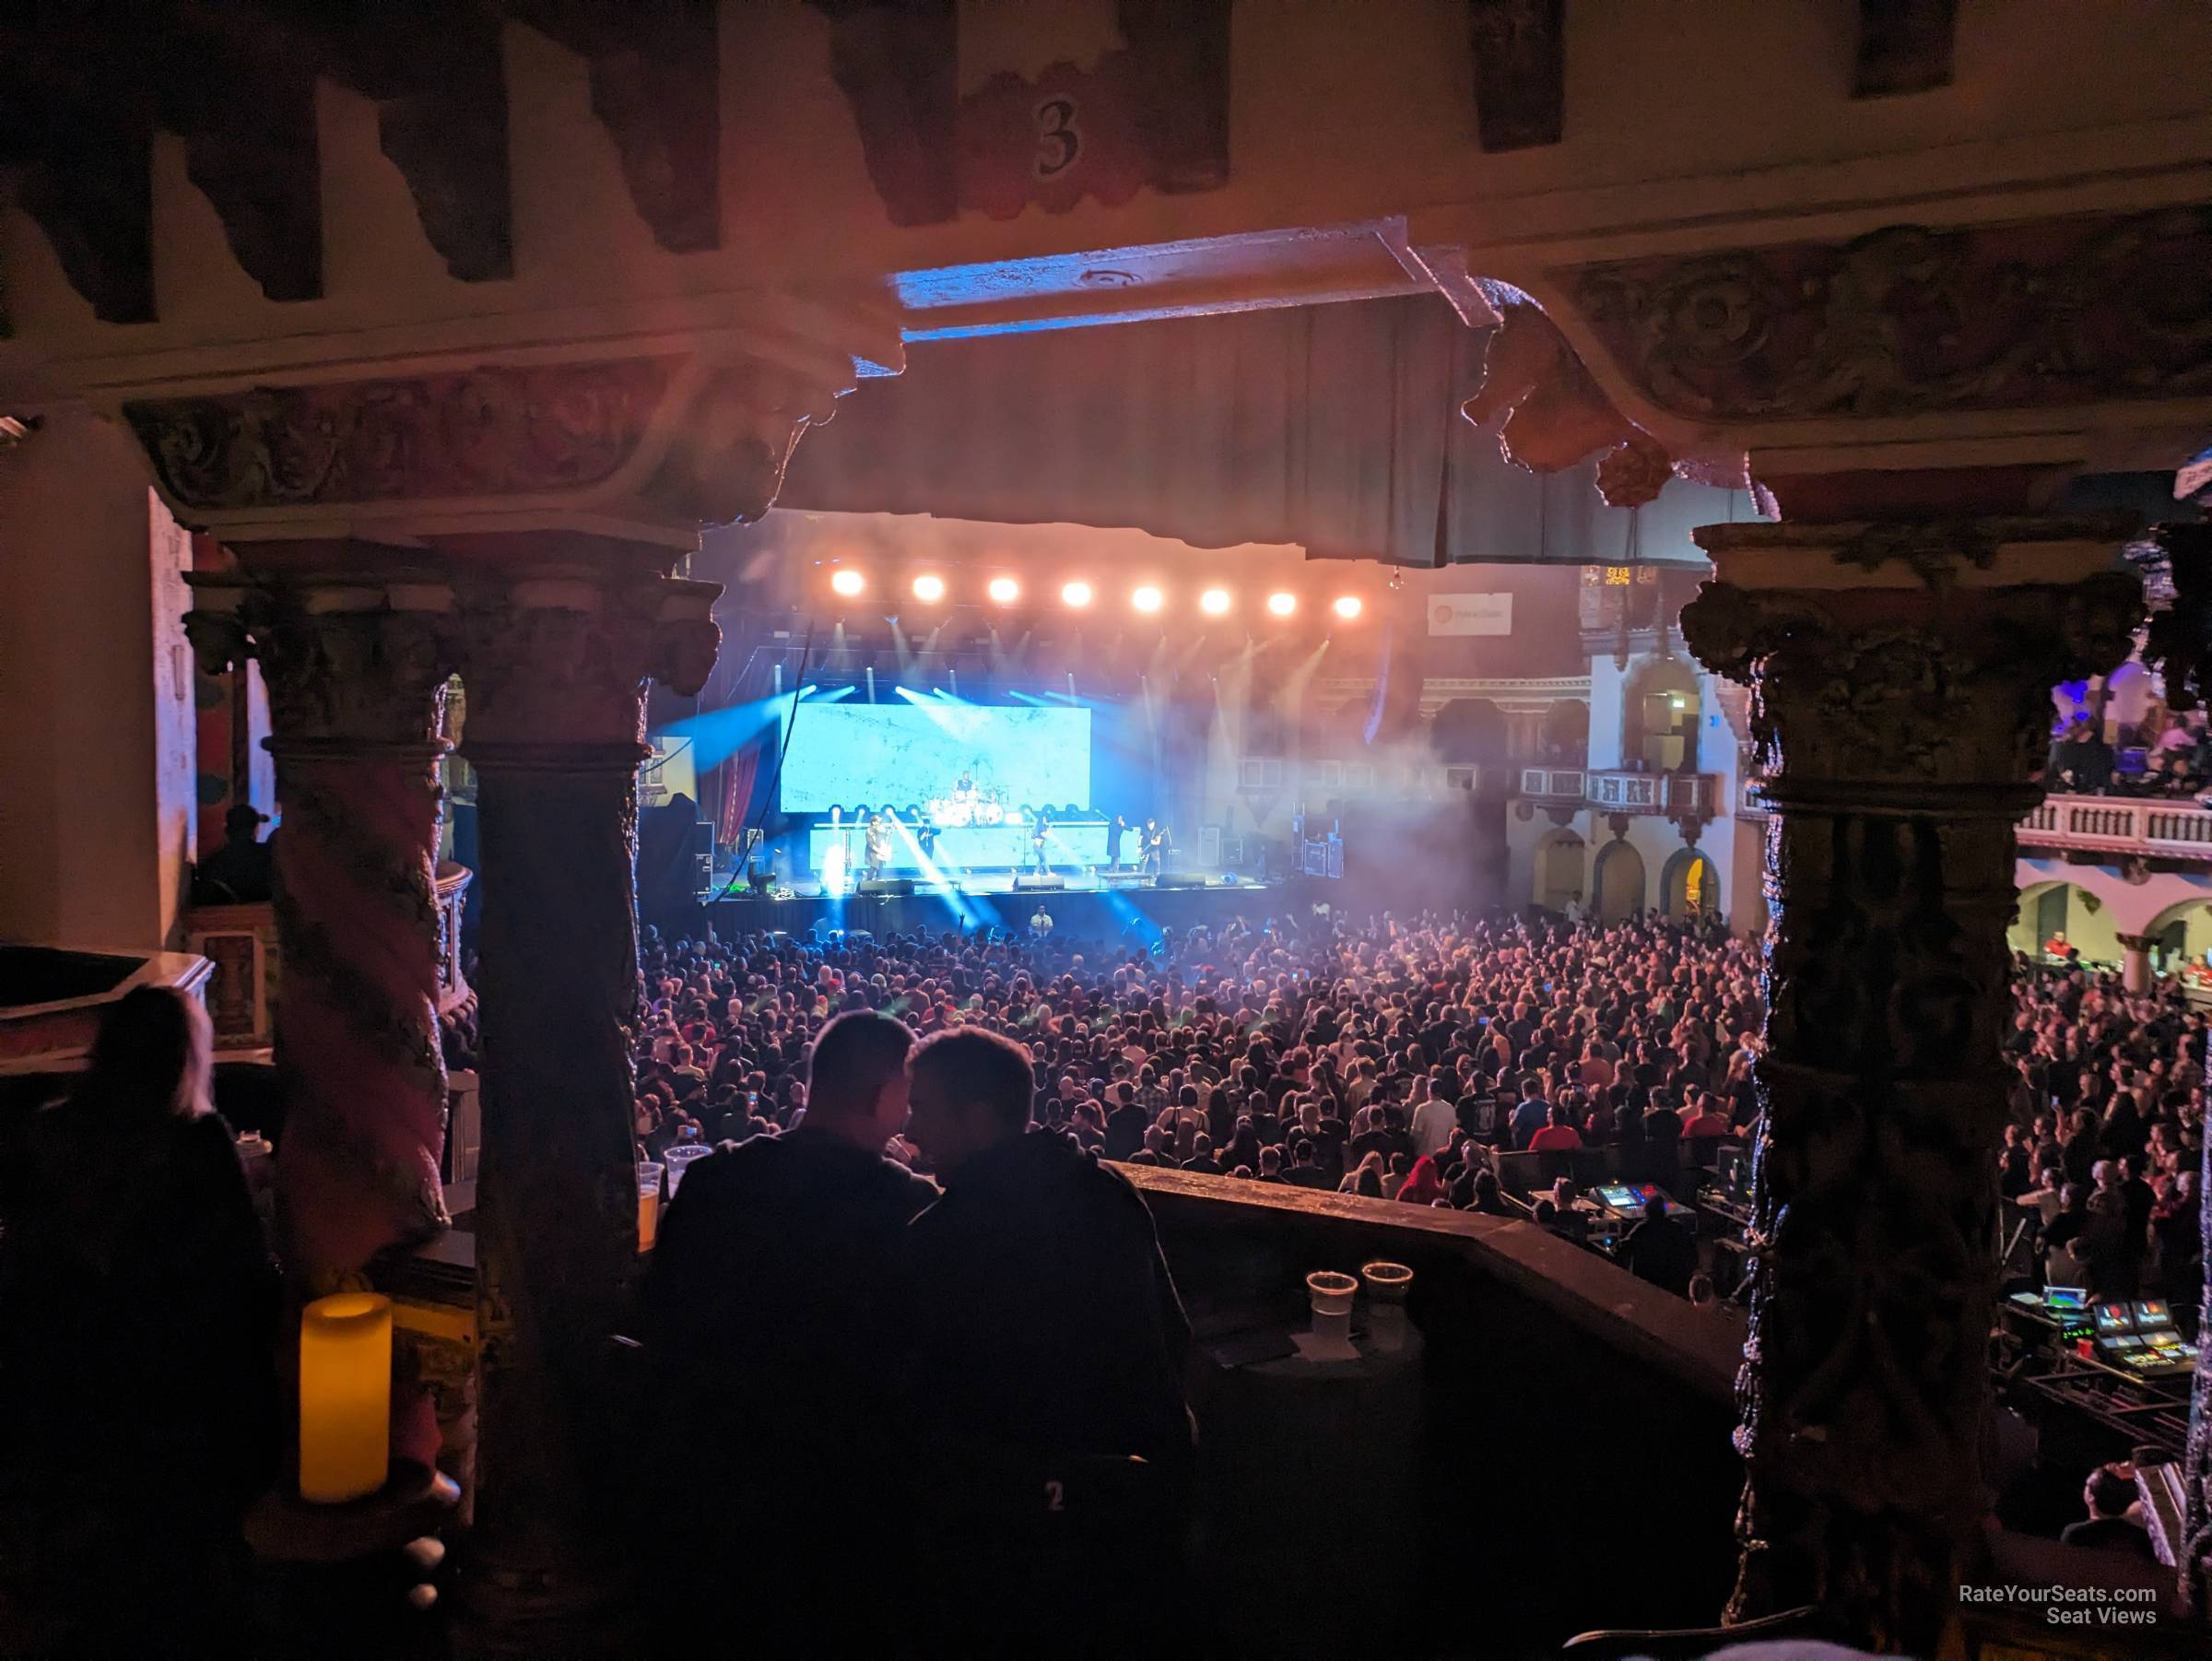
(556, 661)
(349, 663)
(726, 463)
(1900, 660)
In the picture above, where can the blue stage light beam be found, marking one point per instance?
(936, 876)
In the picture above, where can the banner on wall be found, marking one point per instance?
(1471, 614)
(671, 770)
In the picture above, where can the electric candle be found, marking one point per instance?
(344, 1396)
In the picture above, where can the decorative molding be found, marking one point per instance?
(1520, 71)
(1552, 414)
(478, 432)
(1151, 113)
(1910, 321)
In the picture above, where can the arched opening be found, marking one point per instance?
(2181, 938)
(2054, 916)
(1659, 727)
(1561, 864)
(1564, 738)
(1620, 877)
(1470, 730)
(1689, 886)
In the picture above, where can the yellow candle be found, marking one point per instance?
(344, 1396)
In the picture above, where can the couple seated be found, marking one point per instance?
(903, 1419)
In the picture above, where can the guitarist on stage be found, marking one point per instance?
(1154, 844)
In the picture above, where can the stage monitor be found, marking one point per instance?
(1011, 756)
(2114, 1318)
(2066, 1300)
(2152, 1312)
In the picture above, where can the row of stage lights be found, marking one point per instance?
(1076, 595)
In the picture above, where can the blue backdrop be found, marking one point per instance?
(843, 754)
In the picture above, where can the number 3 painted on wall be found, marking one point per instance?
(1058, 142)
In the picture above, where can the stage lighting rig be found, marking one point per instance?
(1147, 599)
(848, 582)
(1076, 596)
(1282, 603)
(1347, 606)
(929, 588)
(1004, 591)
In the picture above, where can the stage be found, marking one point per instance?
(1087, 908)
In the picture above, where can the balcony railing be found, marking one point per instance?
(2147, 828)
(2098, 824)
(1553, 783)
(1669, 793)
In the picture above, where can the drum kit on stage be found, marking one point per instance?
(963, 808)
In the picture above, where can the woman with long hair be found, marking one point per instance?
(1423, 1186)
(137, 1385)
(1364, 1179)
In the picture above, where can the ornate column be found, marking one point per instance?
(2134, 961)
(357, 667)
(1900, 675)
(557, 664)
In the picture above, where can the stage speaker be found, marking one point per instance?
(1180, 879)
(888, 886)
(1032, 879)
(701, 853)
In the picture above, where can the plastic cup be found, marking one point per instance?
(1386, 1282)
(649, 1202)
(680, 1159)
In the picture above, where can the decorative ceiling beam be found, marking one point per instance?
(1904, 46)
(252, 148)
(439, 80)
(1520, 72)
(93, 198)
(656, 89)
(1182, 49)
(898, 63)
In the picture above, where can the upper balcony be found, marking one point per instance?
(1623, 790)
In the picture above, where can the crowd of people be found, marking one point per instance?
(2104, 1150)
(1387, 1060)
(2164, 755)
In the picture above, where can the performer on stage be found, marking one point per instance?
(1114, 832)
(1040, 829)
(963, 789)
(1154, 842)
(925, 838)
(879, 844)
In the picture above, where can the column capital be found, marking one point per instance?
(1904, 657)
(352, 663)
(558, 657)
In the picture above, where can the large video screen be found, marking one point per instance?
(1020, 755)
